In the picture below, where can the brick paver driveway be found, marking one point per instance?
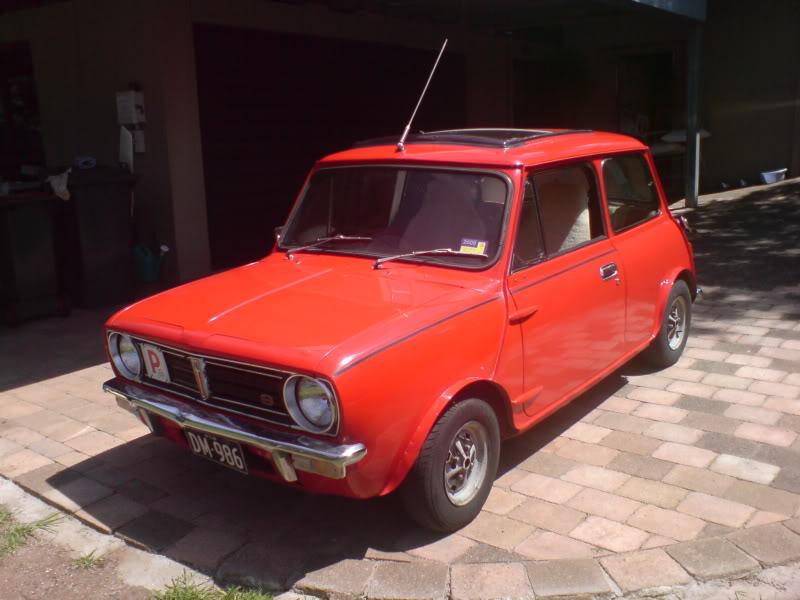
(652, 479)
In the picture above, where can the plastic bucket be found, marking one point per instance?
(773, 176)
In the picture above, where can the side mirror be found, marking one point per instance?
(278, 232)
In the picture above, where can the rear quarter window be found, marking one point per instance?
(630, 191)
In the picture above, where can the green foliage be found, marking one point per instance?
(14, 536)
(184, 589)
(89, 561)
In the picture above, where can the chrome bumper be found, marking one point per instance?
(290, 452)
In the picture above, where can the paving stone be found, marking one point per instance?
(622, 422)
(154, 530)
(740, 397)
(667, 523)
(730, 382)
(609, 534)
(93, 442)
(704, 354)
(652, 492)
(591, 434)
(683, 374)
(640, 466)
(712, 559)
(16, 464)
(477, 582)
(111, 512)
(510, 477)
(743, 468)
(670, 432)
(729, 444)
(776, 436)
(445, 549)
(568, 579)
(750, 360)
(782, 390)
(657, 541)
(497, 531)
(684, 455)
(140, 491)
(204, 548)
(716, 510)
(702, 405)
(763, 497)
(785, 405)
(769, 544)
(151, 571)
(546, 463)
(754, 414)
(762, 517)
(79, 540)
(643, 570)
(760, 373)
(662, 397)
(586, 453)
(50, 476)
(709, 422)
(77, 493)
(49, 448)
(620, 405)
(596, 477)
(8, 447)
(665, 414)
(22, 435)
(408, 581)
(502, 502)
(546, 488)
(788, 479)
(693, 388)
(484, 553)
(603, 504)
(544, 515)
(547, 545)
(699, 480)
(630, 442)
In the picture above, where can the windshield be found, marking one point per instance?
(402, 210)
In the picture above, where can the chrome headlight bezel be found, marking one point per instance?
(114, 341)
(293, 404)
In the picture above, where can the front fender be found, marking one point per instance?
(665, 287)
(391, 400)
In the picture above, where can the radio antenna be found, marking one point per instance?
(401, 145)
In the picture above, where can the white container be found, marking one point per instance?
(773, 176)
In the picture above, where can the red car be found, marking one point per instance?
(421, 304)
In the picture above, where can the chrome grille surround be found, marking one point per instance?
(190, 378)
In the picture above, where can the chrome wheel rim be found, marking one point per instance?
(676, 323)
(465, 467)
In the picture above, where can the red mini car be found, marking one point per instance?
(422, 303)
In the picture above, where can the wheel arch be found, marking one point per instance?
(484, 389)
(685, 275)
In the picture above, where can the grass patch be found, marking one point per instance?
(14, 536)
(184, 589)
(89, 561)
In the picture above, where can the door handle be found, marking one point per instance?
(522, 315)
(609, 271)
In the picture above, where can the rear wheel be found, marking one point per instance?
(668, 345)
(455, 469)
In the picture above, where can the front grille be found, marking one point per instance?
(245, 389)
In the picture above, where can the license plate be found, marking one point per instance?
(221, 451)
(154, 363)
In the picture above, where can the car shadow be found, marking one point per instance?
(161, 498)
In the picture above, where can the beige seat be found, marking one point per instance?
(563, 197)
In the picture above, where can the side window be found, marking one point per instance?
(528, 247)
(569, 207)
(631, 191)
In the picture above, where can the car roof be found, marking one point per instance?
(500, 147)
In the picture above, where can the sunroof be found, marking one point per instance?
(490, 138)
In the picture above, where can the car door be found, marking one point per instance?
(641, 238)
(566, 286)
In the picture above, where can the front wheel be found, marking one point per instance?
(455, 469)
(668, 345)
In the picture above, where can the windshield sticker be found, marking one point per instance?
(473, 246)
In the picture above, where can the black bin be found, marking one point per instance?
(96, 250)
(29, 283)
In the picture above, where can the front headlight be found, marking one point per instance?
(310, 403)
(124, 354)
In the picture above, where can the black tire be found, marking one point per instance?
(661, 353)
(424, 493)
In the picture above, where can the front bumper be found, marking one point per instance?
(290, 452)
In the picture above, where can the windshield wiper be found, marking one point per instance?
(325, 240)
(446, 251)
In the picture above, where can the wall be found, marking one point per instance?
(84, 51)
(751, 90)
